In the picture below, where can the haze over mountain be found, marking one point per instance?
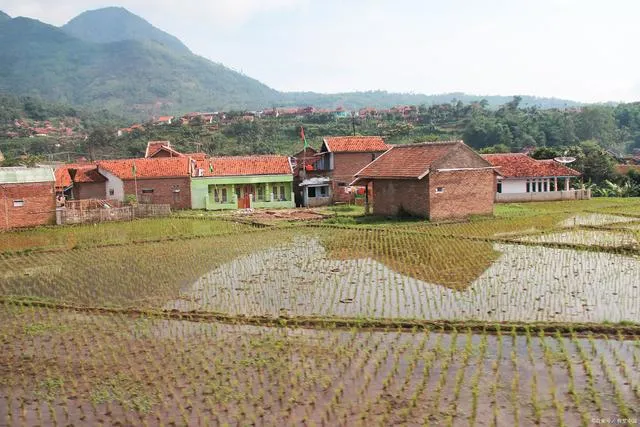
(111, 58)
(114, 24)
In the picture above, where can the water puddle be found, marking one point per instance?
(586, 237)
(526, 283)
(595, 220)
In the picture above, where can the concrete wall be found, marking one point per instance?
(113, 183)
(543, 197)
(464, 193)
(39, 204)
(514, 186)
(164, 191)
(202, 195)
(394, 195)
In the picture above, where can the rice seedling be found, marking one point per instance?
(321, 325)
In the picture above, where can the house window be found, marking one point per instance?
(147, 195)
(499, 187)
(260, 192)
(324, 191)
(373, 156)
(18, 203)
(224, 195)
(545, 186)
(439, 189)
(282, 194)
(216, 195)
(311, 191)
(176, 195)
(342, 184)
(528, 187)
(112, 191)
(540, 186)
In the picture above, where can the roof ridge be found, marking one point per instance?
(426, 143)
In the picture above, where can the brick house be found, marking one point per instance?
(27, 196)
(523, 178)
(80, 181)
(160, 149)
(435, 180)
(154, 180)
(338, 160)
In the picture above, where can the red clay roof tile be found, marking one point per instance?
(518, 165)
(355, 144)
(407, 161)
(168, 167)
(245, 165)
(84, 173)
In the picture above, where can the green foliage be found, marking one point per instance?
(114, 24)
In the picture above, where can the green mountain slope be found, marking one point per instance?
(130, 76)
(383, 99)
(114, 24)
(110, 58)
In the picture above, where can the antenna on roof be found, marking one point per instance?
(565, 159)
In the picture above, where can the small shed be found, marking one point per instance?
(434, 180)
(27, 197)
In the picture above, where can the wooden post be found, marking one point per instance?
(366, 199)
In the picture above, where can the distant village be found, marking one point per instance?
(434, 180)
(406, 112)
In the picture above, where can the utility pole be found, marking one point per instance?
(353, 122)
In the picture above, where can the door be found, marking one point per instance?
(244, 196)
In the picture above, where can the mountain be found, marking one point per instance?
(4, 16)
(383, 99)
(112, 59)
(131, 76)
(115, 24)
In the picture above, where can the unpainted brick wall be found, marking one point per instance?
(394, 195)
(39, 205)
(464, 193)
(89, 190)
(163, 191)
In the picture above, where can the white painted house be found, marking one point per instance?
(523, 179)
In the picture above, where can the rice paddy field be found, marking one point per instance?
(531, 317)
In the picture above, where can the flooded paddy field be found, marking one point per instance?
(91, 330)
(59, 367)
(565, 274)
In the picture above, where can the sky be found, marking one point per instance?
(583, 50)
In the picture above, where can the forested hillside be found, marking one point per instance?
(110, 58)
(116, 24)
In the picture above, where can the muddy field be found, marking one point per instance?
(61, 368)
(116, 347)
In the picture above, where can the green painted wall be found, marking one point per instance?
(202, 191)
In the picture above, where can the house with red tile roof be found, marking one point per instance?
(163, 120)
(238, 182)
(160, 149)
(80, 181)
(28, 196)
(434, 180)
(151, 180)
(337, 161)
(523, 178)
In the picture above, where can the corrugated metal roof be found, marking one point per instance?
(19, 175)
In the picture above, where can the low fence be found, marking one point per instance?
(543, 196)
(67, 215)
